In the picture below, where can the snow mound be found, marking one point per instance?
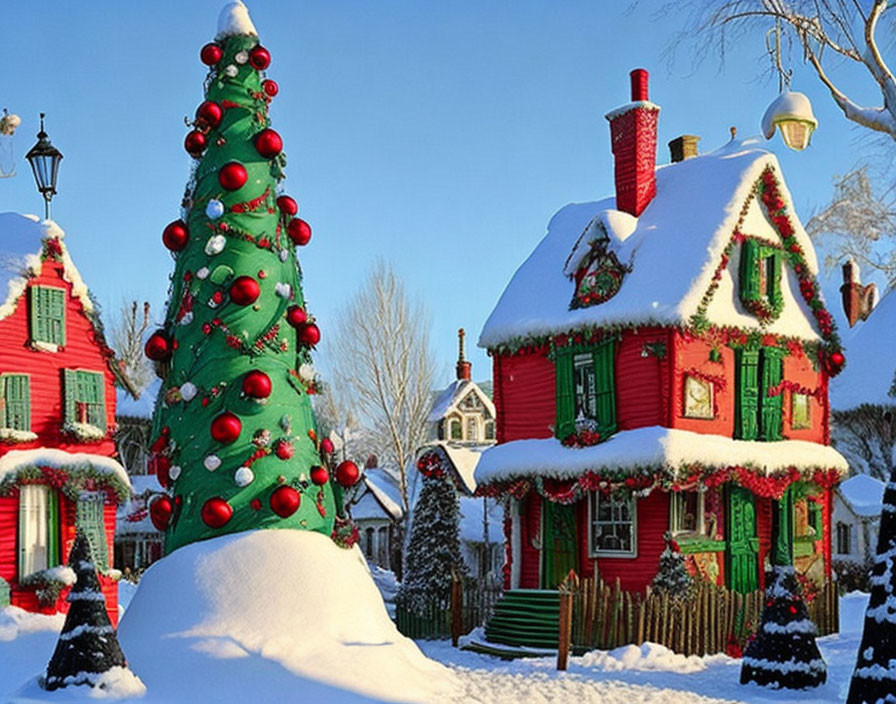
(647, 657)
(233, 20)
(15, 622)
(117, 684)
(265, 615)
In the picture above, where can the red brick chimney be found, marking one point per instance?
(858, 300)
(633, 139)
(463, 366)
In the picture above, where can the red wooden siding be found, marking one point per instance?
(9, 535)
(691, 355)
(640, 397)
(525, 387)
(798, 369)
(764, 532)
(530, 556)
(827, 517)
(81, 351)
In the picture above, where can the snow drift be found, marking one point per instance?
(259, 616)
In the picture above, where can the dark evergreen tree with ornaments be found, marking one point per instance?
(874, 677)
(235, 445)
(434, 548)
(672, 577)
(783, 653)
(87, 646)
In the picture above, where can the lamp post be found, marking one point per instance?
(44, 159)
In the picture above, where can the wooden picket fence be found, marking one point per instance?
(477, 603)
(708, 621)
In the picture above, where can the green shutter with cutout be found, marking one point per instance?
(89, 519)
(749, 271)
(747, 413)
(783, 548)
(16, 401)
(565, 420)
(772, 405)
(605, 387)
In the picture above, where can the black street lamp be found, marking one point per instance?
(44, 159)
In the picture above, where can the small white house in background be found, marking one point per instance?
(857, 507)
(375, 507)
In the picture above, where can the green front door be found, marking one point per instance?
(560, 543)
(743, 545)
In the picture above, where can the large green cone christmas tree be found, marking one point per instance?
(234, 435)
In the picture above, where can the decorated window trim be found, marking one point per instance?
(581, 431)
(798, 421)
(47, 320)
(760, 275)
(71, 481)
(629, 498)
(677, 501)
(693, 404)
(85, 404)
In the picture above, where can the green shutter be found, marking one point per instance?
(48, 315)
(17, 402)
(70, 389)
(772, 415)
(749, 271)
(91, 391)
(783, 547)
(57, 315)
(565, 421)
(774, 274)
(53, 528)
(604, 379)
(746, 425)
(38, 322)
(89, 518)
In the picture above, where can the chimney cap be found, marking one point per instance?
(683, 147)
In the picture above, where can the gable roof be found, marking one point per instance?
(870, 363)
(673, 250)
(457, 390)
(864, 494)
(381, 497)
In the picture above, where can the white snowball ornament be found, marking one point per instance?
(242, 57)
(187, 318)
(215, 245)
(283, 290)
(188, 391)
(284, 254)
(211, 462)
(243, 476)
(214, 209)
(202, 273)
(174, 472)
(230, 71)
(306, 373)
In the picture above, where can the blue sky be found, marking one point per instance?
(438, 136)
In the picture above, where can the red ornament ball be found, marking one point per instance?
(244, 290)
(268, 143)
(285, 501)
(326, 446)
(270, 87)
(319, 475)
(157, 347)
(176, 235)
(209, 113)
(226, 427)
(259, 58)
(233, 176)
(162, 465)
(211, 54)
(296, 316)
(837, 359)
(347, 473)
(216, 512)
(299, 232)
(309, 334)
(284, 449)
(257, 384)
(195, 143)
(287, 205)
(160, 512)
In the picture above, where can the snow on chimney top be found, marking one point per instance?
(858, 300)
(633, 128)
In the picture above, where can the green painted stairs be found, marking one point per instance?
(526, 618)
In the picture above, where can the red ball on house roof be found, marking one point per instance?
(309, 334)
(296, 316)
(270, 87)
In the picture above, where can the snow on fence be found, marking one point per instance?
(477, 602)
(710, 620)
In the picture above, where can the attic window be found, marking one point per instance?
(760, 279)
(598, 278)
(48, 315)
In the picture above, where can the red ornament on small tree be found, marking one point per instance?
(157, 348)
(268, 143)
(195, 143)
(309, 334)
(226, 427)
(209, 113)
(287, 205)
(319, 475)
(257, 384)
(176, 235)
(216, 512)
(270, 87)
(211, 54)
(296, 316)
(284, 449)
(347, 473)
(233, 176)
(244, 290)
(160, 511)
(299, 232)
(326, 446)
(285, 501)
(259, 58)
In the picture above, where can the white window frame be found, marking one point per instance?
(34, 529)
(793, 424)
(593, 500)
(676, 504)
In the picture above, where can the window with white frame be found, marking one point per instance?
(844, 538)
(34, 529)
(686, 514)
(612, 525)
(698, 401)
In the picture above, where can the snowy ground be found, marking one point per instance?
(627, 675)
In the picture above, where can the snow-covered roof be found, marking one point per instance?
(864, 494)
(234, 19)
(651, 447)
(15, 461)
(870, 362)
(142, 407)
(21, 245)
(381, 497)
(673, 252)
(463, 458)
(455, 392)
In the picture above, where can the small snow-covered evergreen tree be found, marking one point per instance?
(673, 576)
(874, 678)
(87, 646)
(434, 548)
(783, 652)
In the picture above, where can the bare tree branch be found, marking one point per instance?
(128, 329)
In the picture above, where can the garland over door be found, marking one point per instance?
(743, 544)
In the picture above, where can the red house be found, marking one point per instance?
(57, 412)
(661, 363)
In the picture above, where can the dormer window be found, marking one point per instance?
(48, 316)
(760, 279)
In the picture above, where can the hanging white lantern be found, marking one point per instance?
(792, 114)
